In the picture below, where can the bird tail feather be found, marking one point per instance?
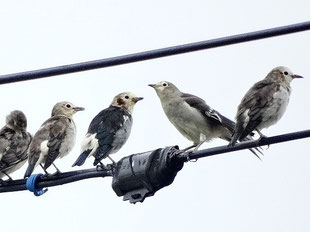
(233, 140)
(255, 149)
(81, 159)
(102, 153)
(236, 138)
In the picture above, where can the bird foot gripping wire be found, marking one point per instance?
(188, 158)
(108, 167)
(31, 185)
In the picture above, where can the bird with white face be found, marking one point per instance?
(109, 130)
(264, 103)
(55, 138)
(14, 142)
(192, 117)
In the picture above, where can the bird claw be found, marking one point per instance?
(262, 138)
(103, 167)
(100, 167)
(188, 159)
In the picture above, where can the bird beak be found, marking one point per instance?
(297, 76)
(78, 108)
(152, 85)
(136, 99)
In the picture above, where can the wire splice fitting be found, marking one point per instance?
(31, 185)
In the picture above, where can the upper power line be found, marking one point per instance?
(153, 54)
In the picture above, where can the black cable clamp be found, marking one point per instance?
(140, 175)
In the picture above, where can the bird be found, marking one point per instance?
(192, 117)
(264, 104)
(109, 130)
(55, 138)
(14, 142)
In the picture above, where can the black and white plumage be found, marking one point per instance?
(109, 130)
(264, 103)
(55, 138)
(192, 117)
(14, 142)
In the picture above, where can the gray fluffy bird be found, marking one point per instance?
(54, 139)
(109, 130)
(264, 104)
(192, 117)
(14, 142)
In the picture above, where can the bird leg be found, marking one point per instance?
(112, 160)
(262, 136)
(10, 178)
(44, 169)
(57, 170)
(197, 147)
(188, 148)
(100, 166)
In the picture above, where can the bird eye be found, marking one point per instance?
(127, 97)
(165, 84)
(285, 73)
(68, 106)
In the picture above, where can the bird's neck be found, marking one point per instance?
(129, 109)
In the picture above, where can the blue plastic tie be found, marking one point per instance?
(31, 185)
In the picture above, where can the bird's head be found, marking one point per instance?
(165, 89)
(16, 120)
(283, 74)
(65, 108)
(126, 100)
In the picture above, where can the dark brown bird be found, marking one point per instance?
(14, 142)
(264, 104)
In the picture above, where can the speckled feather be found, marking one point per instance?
(264, 103)
(14, 143)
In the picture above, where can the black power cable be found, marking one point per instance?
(141, 175)
(153, 54)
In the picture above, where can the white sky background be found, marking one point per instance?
(229, 192)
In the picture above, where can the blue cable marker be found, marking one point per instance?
(31, 185)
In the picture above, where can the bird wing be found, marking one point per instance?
(255, 100)
(6, 135)
(57, 132)
(207, 111)
(16, 151)
(106, 125)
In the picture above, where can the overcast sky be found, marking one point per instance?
(228, 192)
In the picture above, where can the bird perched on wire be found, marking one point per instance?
(14, 142)
(264, 104)
(192, 117)
(109, 130)
(54, 139)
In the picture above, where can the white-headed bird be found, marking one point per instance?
(109, 130)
